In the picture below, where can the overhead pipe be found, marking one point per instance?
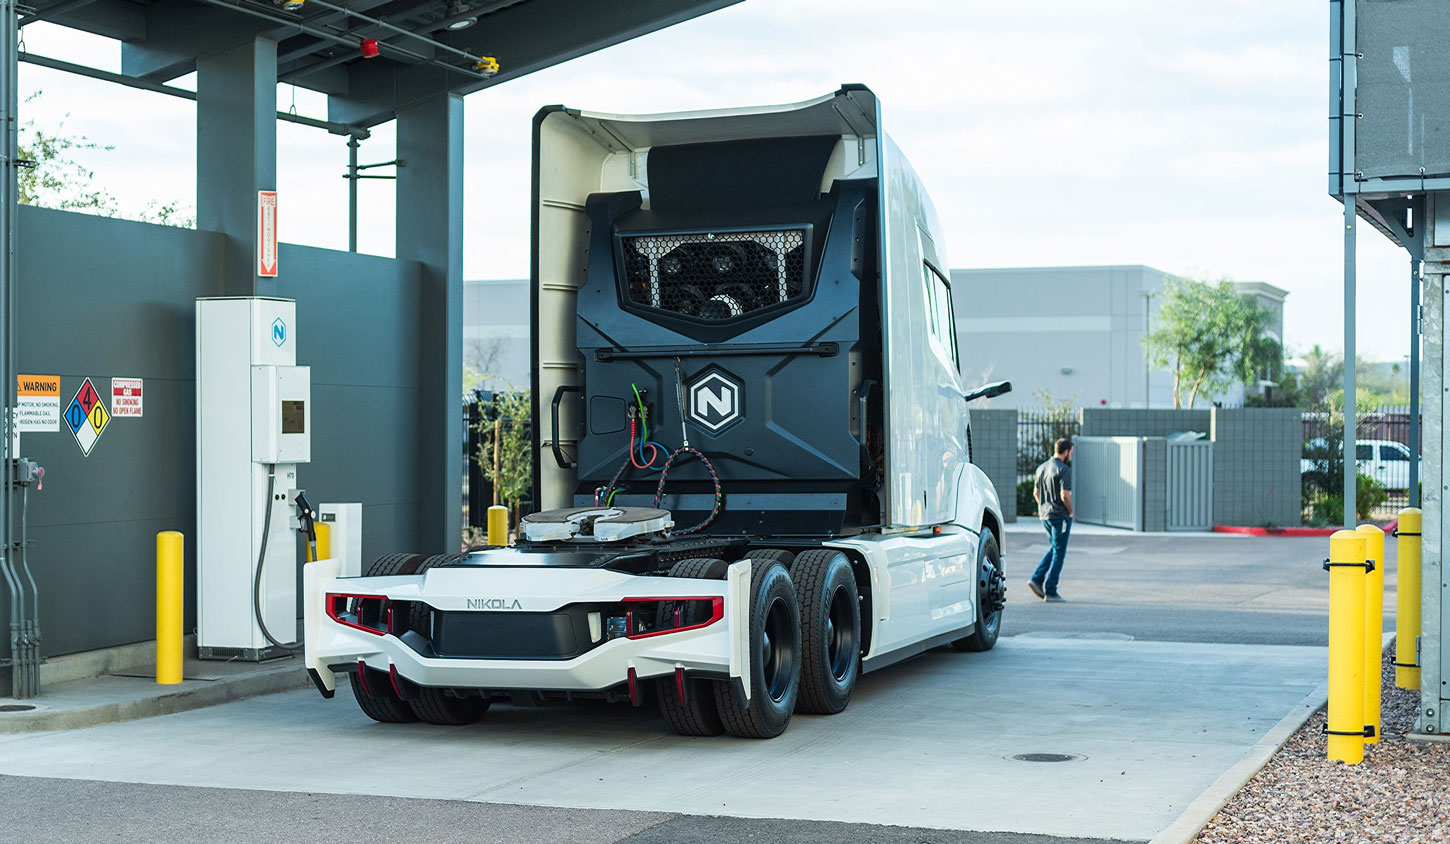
(182, 93)
(341, 38)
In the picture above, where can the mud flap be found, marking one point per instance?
(315, 579)
(737, 614)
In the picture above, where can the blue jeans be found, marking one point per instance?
(1051, 566)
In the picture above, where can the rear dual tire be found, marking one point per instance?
(711, 707)
(380, 701)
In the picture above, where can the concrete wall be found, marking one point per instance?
(101, 298)
(1256, 456)
(1113, 422)
(994, 449)
(1155, 484)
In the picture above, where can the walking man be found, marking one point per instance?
(1052, 490)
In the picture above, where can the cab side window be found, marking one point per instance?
(1363, 452)
(940, 326)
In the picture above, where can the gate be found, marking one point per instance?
(1190, 484)
(1107, 475)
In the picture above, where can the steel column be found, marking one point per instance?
(236, 153)
(430, 231)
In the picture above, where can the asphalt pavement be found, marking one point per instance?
(1213, 588)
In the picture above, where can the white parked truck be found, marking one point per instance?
(752, 449)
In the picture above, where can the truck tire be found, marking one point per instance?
(438, 706)
(418, 614)
(771, 555)
(697, 715)
(830, 630)
(991, 596)
(775, 665)
(382, 704)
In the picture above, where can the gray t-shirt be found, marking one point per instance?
(1052, 479)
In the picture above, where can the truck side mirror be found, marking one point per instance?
(989, 391)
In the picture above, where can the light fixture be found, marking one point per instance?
(455, 9)
(290, 5)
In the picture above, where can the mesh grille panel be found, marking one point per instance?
(717, 277)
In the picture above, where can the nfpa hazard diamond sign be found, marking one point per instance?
(87, 417)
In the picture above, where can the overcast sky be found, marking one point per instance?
(1190, 137)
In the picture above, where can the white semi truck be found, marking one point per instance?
(752, 448)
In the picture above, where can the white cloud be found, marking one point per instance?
(1185, 136)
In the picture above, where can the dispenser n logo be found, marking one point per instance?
(714, 401)
(87, 417)
(279, 332)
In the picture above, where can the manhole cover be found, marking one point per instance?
(1046, 757)
(16, 707)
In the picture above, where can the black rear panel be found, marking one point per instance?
(753, 314)
(563, 634)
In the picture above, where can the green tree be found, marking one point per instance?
(50, 177)
(511, 470)
(1210, 337)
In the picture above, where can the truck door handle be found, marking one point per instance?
(559, 456)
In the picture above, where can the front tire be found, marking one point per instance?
(775, 664)
(830, 630)
(991, 596)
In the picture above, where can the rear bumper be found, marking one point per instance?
(717, 649)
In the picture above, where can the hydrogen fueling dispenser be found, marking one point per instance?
(253, 428)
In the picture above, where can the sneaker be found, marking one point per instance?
(1036, 588)
(1054, 598)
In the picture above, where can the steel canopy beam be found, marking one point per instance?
(525, 37)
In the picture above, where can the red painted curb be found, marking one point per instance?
(1284, 531)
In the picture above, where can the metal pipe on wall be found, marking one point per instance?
(1417, 211)
(1348, 117)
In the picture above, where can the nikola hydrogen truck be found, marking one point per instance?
(752, 449)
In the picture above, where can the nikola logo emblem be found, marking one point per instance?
(493, 604)
(714, 401)
(279, 332)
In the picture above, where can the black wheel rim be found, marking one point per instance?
(992, 595)
(777, 650)
(840, 634)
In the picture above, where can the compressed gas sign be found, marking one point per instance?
(87, 417)
(125, 396)
(37, 403)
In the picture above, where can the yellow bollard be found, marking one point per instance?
(324, 540)
(1407, 600)
(1346, 646)
(1374, 628)
(498, 525)
(168, 607)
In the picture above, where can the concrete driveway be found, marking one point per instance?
(1158, 675)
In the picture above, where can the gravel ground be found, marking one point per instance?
(1399, 794)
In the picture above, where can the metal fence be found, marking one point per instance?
(1036, 432)
(1189, 489)
(1383, 451)
(479, 413)
(1108, 481)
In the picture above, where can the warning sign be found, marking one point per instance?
(267, 233)
(37, 403)
(125, 396)
(87, 417)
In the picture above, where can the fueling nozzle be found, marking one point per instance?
(306, 517)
